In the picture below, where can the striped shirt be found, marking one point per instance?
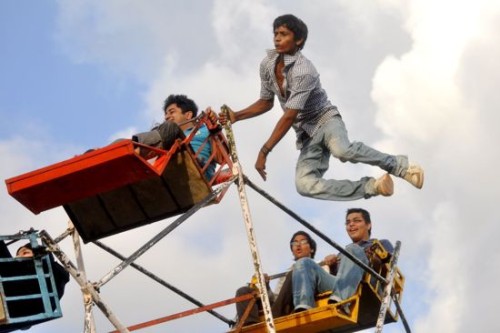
(303, 92)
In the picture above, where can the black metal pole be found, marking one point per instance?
(401, 314)
(163, 282)
(159, 236)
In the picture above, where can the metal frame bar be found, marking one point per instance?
(244, 316)
(384, 306)
(401, 314)
(162, 282)
(119, 268)
(89, 322)
(86, 286)
(252, 241)
(188, 312)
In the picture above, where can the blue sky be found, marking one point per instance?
(414, 77)
(42, 85)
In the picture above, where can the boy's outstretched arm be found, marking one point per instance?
(279, 131)
(257, 108)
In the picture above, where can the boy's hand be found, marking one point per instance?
(260, 165)
(225, 116)
(331, 259)
(211, 114)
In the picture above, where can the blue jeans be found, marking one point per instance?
(331, 139)
(309, 279)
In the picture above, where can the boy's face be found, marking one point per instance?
(357, 228)
(174, 113)
(301, 247)
(284, 40)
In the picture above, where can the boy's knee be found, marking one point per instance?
(357, 251)
(243, 291)
(305, 185)
(302, 189)
(341, 152)
(303, 263)
(169, 132)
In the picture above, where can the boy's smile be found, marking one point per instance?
(357, 228)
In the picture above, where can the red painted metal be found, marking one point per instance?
(95, 172)
(189, 312)
(111, 167)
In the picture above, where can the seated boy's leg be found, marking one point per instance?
(253, 316)
(150, 138)
(349, 274)
(283, 305)
(162, 136)
(169, 132)
(309, 279)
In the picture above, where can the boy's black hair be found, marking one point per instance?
(183, 102)
(312, 242)
(27, 245)
(296, 25)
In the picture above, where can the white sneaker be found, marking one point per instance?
(384, 185)
(415, 175)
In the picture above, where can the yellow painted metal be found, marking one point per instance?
(363, 307)
(314, 320)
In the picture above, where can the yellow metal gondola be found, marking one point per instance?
(363, 307)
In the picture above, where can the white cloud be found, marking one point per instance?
(240, 27)
(124, 134)
(426, 101)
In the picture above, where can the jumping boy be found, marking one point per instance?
(320, 131)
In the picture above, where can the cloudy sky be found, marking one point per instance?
(416, 77)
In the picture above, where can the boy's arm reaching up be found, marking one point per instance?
(282, 127)
(259, 107)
